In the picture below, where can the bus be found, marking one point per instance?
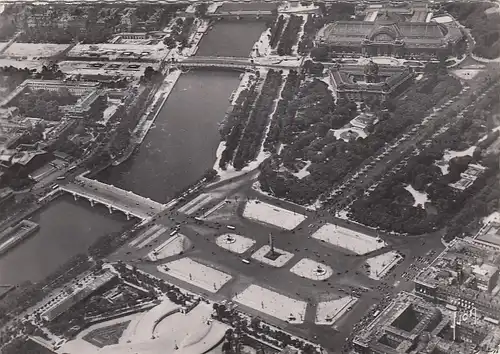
(174, 232)
(60, 178)
(375, 314)
(54, 186)
(72, 168)
(230, 227)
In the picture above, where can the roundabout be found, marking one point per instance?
(234, 243)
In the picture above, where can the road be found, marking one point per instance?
(348, 269)
(348, 276)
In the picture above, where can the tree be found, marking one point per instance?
(201, 10)
(320, 53)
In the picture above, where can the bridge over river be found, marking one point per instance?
(240, 63)
(114, 198)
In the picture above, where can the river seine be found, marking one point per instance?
(183, 143)
(67, 227)
(174, 154)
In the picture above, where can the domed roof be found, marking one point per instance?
(384, 31)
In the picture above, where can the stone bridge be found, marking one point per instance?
(112, 197)
(237, 63)
(242, 14)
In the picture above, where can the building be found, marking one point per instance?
(465, 275)
(390, 35)
(370, 81)
(364, 120)
(22, 163)
(489, 235)
(87, 105)
(68, 298)
(412, 325)
(91, 96)
(414, 11)
(468, 177)
(16, 234)
(11, 128)
(75, 88)
(118, 52)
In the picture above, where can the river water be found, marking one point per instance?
(231, 38)
(67, 227)
(183, 144)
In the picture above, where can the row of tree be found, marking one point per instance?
(311, 27)
(331, 13)
(290, 88)
(390, 205)
(87, 24)
(255, 328)
(307, 133)
(290, 35)
(276, 30)
(234, 123)
(484, 26)
(253, 135)
(180, 33)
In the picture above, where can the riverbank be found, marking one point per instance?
(160, 98)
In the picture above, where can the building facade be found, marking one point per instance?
(390, 35)
(370, 81)
(465, 275)
(410, 324)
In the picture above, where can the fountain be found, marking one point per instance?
(319, 271)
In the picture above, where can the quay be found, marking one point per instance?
(12, 236)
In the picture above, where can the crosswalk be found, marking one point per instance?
(148, 236)
(152, 237)
(196, 204)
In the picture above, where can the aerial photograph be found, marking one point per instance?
(249, 177)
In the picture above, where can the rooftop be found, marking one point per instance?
(461, 255)
(491, 234)
(128, 52)
(468, 177)
(389, 28)
(466, 269)
(12, 157)
(386, 78)
(411, 323)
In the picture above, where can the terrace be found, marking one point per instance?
(105, 69)
(118, 52)
(352, 81)
(468, 177)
